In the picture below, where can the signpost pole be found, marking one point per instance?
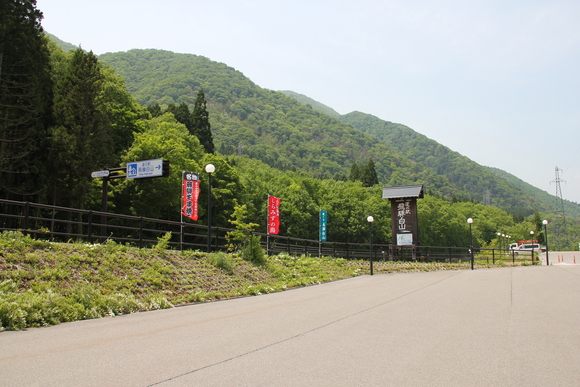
(104, 206)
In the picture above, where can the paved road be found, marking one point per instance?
(489, 327)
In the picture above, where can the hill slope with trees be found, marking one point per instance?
(289, 135)
(264, 124)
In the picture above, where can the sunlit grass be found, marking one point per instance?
(44, 283)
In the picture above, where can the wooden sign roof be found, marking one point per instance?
(403, 191)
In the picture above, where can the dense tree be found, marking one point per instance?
(155, 110)
(82, 137)
(124, 113)
(25, 98)
(182, 115)
(163, 138)
(354, 173)
(368, 174)
(200, 122)
(226, 190)
(168, 139)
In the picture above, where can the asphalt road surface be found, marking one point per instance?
(517, 326)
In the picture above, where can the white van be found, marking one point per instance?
(528, 247)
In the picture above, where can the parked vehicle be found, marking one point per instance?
(527, 248)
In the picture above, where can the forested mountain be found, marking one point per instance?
(486, 185)
(62, 44)
(289, 135)
(483, 185)
(313, 104)
(570, 208)
(264, 124)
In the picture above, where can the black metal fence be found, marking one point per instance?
(68, 224)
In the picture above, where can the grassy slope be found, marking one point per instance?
(45, 283)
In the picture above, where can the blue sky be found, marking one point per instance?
(497, 80)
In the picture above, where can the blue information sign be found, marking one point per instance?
(323, 223)
(145, 168)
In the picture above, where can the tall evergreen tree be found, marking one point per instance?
(200, 123)
(82, 136)
(182, 115)
(368, 174)
(25, 97)
(354, 172)
(155, 110)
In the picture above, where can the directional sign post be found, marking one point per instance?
(145, 168)
(100, 174)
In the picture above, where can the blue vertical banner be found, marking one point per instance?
(323, 222)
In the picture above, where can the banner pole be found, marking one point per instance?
(268, 226)
(181, 209)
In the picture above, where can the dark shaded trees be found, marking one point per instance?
(25, 98)
(200, 123)
(82, 139)
(354, 172)
(182, 115)
(368, 174)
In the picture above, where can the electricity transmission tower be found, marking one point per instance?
(560, 229)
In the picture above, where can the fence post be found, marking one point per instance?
(90, 227)
(26, 216)
(52, 215)
(216, 243)
(141, 232)
(68, 225)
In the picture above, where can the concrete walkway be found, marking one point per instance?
(517, 326)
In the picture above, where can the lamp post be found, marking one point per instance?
(532, 244)
(370, 219)
(470, 221)
(210, 168)
(545, 223)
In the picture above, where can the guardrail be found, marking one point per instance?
(68, 224)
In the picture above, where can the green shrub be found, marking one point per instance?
(222, 261)
(162, 244)
(253, 252)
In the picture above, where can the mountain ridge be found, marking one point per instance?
(288, 134)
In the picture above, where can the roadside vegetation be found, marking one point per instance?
(45, 283)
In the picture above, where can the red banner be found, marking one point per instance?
(190, 194)
(273, 215)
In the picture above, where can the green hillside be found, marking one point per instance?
(298, 133)
(264, 124)
(313, 104)
(570, 208)
(62, 44)
(486, 185)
